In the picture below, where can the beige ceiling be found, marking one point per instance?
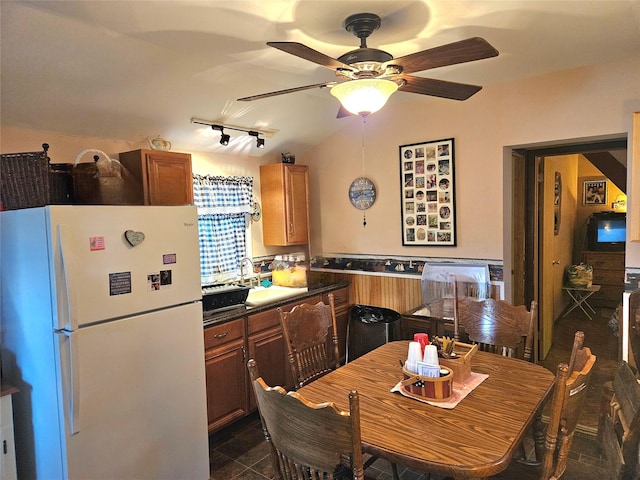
(129, 70)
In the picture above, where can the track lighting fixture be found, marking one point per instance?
(224, 138)
(259, 141)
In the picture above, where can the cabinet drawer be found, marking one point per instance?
(223, 333)
(263, 320)
(608, 277)
(608, 260)
(340, 297)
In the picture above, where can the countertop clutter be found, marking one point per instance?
(214, 317)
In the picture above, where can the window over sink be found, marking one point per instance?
(224, 205)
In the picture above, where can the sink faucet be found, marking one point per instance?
(242, 262)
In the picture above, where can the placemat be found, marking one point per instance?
(459, 391)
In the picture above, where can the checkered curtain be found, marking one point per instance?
(224, 204)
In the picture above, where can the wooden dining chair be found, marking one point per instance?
(496, 325)
(620, 436)
(538, 429)
(569, 393)
(308, 440)
(310, 334)
(312, 346)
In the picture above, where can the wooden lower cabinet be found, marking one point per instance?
(267, 348)
(226, 373)
(229, 346)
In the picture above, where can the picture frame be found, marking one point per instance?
(427, 198)
(594, 192)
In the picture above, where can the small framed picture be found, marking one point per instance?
(594, 192)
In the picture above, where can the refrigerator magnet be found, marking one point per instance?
(96, 243)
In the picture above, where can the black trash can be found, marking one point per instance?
(369, 327)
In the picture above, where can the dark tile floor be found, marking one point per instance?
(239, 451)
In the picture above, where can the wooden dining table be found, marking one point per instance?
(476, 439)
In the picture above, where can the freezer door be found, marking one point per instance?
(115, 261)
(134, 393)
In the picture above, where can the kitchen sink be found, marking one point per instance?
(264, 295)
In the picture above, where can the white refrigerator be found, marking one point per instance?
(102, 332)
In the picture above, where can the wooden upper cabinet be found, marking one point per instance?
(166, 177)
(285, 212)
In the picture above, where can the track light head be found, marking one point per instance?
(259, 141)
(224, 138)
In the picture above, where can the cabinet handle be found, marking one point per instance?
(291, 228)
(221, 335)
(4, 447)
(244, 355)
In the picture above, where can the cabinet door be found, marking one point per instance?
(268, 350)
(165, 178)
(226, 373)
(296, 185)
(170, 178)
(284, 191)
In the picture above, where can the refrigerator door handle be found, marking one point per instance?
(66, 267)
(70, 373)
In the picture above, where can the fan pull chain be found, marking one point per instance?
(364, 122)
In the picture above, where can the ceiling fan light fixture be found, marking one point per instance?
(364, 96)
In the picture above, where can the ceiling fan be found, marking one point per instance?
(370, 68)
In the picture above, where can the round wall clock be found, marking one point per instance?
(362, 193)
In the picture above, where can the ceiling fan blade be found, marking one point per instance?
(468, 50)
(307, 53)
(438, 88)
(288, 90)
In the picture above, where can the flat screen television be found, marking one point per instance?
(607, 232)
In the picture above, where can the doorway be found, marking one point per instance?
(543, 241)
(546, 212)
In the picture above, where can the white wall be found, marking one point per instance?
(561, 108)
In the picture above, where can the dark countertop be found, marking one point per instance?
(215, 317)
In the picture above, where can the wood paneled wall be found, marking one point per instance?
(396, 293)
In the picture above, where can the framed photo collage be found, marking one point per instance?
(427, 191)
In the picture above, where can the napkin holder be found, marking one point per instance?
(438, 389)
(461, 363)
